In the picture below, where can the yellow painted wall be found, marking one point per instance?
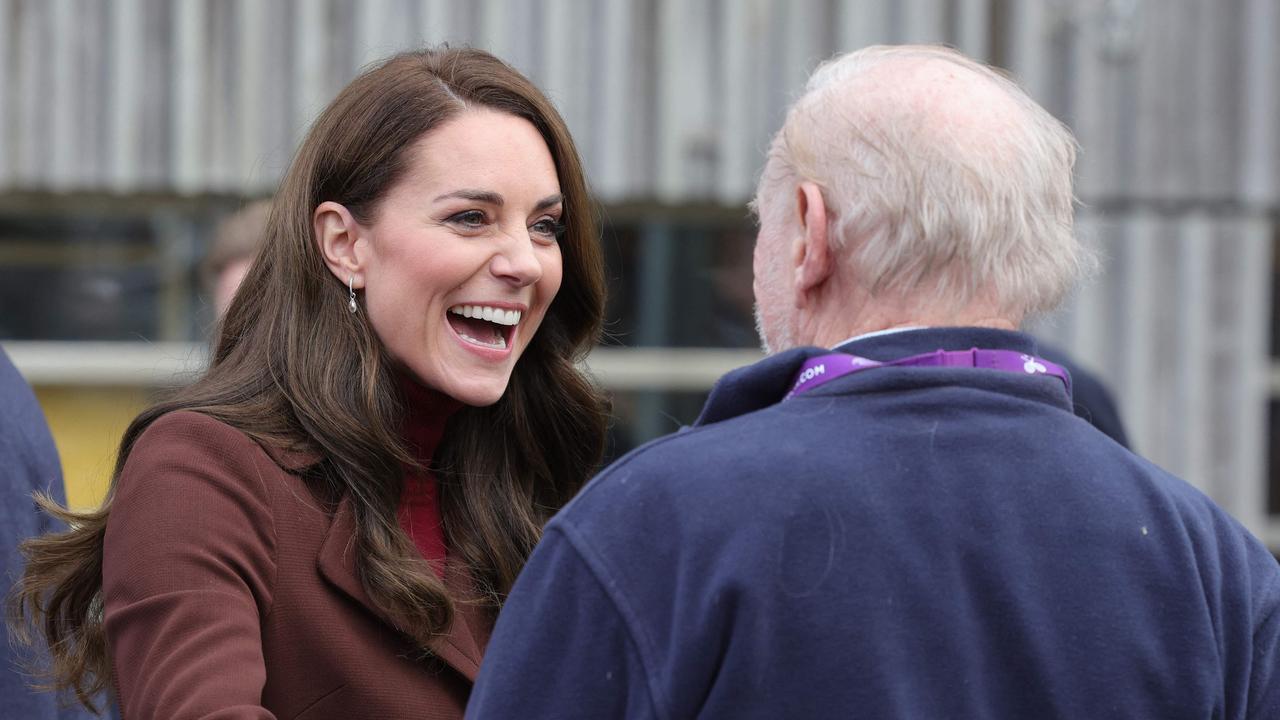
(87, 423)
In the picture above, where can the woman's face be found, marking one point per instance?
(462, 257)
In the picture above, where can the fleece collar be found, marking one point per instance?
(765, 383)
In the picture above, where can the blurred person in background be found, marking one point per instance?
(235, 243)
(914, 525)
(30, 465)
(328, 520)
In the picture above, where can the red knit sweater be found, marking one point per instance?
(419, 514)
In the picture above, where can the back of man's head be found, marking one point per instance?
(944, 183)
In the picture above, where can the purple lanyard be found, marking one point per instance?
(823, 369)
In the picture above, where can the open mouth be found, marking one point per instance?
(484, 325)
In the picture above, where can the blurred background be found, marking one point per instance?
(129, 129)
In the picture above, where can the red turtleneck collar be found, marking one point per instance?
(426, 414)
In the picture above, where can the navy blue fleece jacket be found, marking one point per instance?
(899, 543)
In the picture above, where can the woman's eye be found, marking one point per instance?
(548, 228)
(468, 219)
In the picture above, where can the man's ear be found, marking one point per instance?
(811, 253)
(340, 241)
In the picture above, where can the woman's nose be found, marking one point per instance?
(516, 261)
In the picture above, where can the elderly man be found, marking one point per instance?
(913, 525)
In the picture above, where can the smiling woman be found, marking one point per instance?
(327, 522)
(488, 240)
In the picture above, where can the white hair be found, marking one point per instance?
(942, 177)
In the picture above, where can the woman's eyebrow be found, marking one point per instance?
(548, 201)
(492, 198)
(485, 196)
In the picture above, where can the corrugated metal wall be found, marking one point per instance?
(669, 99)
(1173, 104)
(674, 100)
(1178, 325)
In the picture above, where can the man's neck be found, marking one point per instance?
(876, 333)
(842, 310)
(835, 337)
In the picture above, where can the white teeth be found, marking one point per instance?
(500, 343)
(488, 313)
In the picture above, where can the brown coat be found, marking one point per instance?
(231, 593)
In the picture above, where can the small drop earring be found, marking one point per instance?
(351, 293)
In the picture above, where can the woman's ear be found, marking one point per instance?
(341, 242)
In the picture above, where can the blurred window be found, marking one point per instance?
(96, 269)
(678, 278)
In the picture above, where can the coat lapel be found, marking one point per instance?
(458, 647)
(461, 638)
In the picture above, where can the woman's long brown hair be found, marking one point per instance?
(294, 370)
